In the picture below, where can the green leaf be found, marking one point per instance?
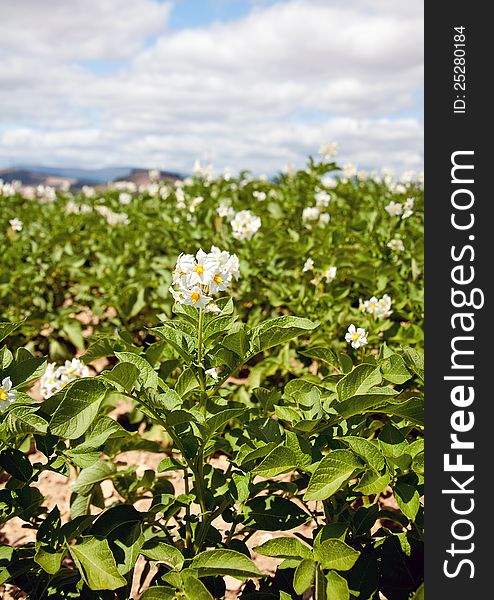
(394, 370)
(331, 473)
(148, 378)
(21, 420)
(419, 594)
(7, 328)
(358, 382)
(73, 331)
(278, 331)
(323, 354)
(100, 431)
(362, 403)
(194, 588)
(26, 369)
(16, 463)
(122, 377)
(217, 325)
(372, 482)
(6, 358)
(224, 562)
(237, 342)
(96, 564)
(97, 472)
(187, 382)
(408, 499)
(304, 576)
(274, 513)
(335, 554)
(48, 559)
(411, 410)
(159, 551)
(284, 547)
(336, 587)
(392, 442)
(415, 361)
(180, 341)
(278, 461)
(158, 592)
(366, 450)
(418, 463)
(220, 419)
(77, 409)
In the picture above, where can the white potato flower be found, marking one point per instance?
(356, 336)
(16, 224)
(308, 265)
(330, 274)
(396, 245)
(244, 225)
(349, 170)
(310, 214)
(327, 151)
(329, 182)
(213, 372)
(7, 394)
(322, 199)
(324, 219)
(395, 209)
(154, 175)
(408, 208)
(125, 198)
(378, 308)
(225, 210)
(55, 378)
(198, 277)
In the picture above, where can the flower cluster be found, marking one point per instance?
(125, 198)
(356, 336)
(197, 278)
(7, 394)
(396, 209)
(55, 378)
(311, 215)
(73, 208)
(112, 218)
(225, 210)
(380, 309)
(16, 224)
(396, 245)
(322, 199)
(244, 225)
(327, 151)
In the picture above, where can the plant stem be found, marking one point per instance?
(200, 350)
(188, 530)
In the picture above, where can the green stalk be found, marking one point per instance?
(200, 350)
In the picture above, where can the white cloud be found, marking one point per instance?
(258, 92)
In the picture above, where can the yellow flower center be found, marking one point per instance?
(199, 269)
(355, 336)
(218, 278)
(3, 395)
(394, 208)
(373, 306)
(195, 297)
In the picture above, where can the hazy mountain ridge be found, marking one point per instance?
(56, 177)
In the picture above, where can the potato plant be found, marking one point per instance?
(284, 397)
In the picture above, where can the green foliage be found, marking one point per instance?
(265, 419)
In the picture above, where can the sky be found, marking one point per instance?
(254, 84)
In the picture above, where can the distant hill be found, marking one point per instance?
(140, 176)
(55, 177)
